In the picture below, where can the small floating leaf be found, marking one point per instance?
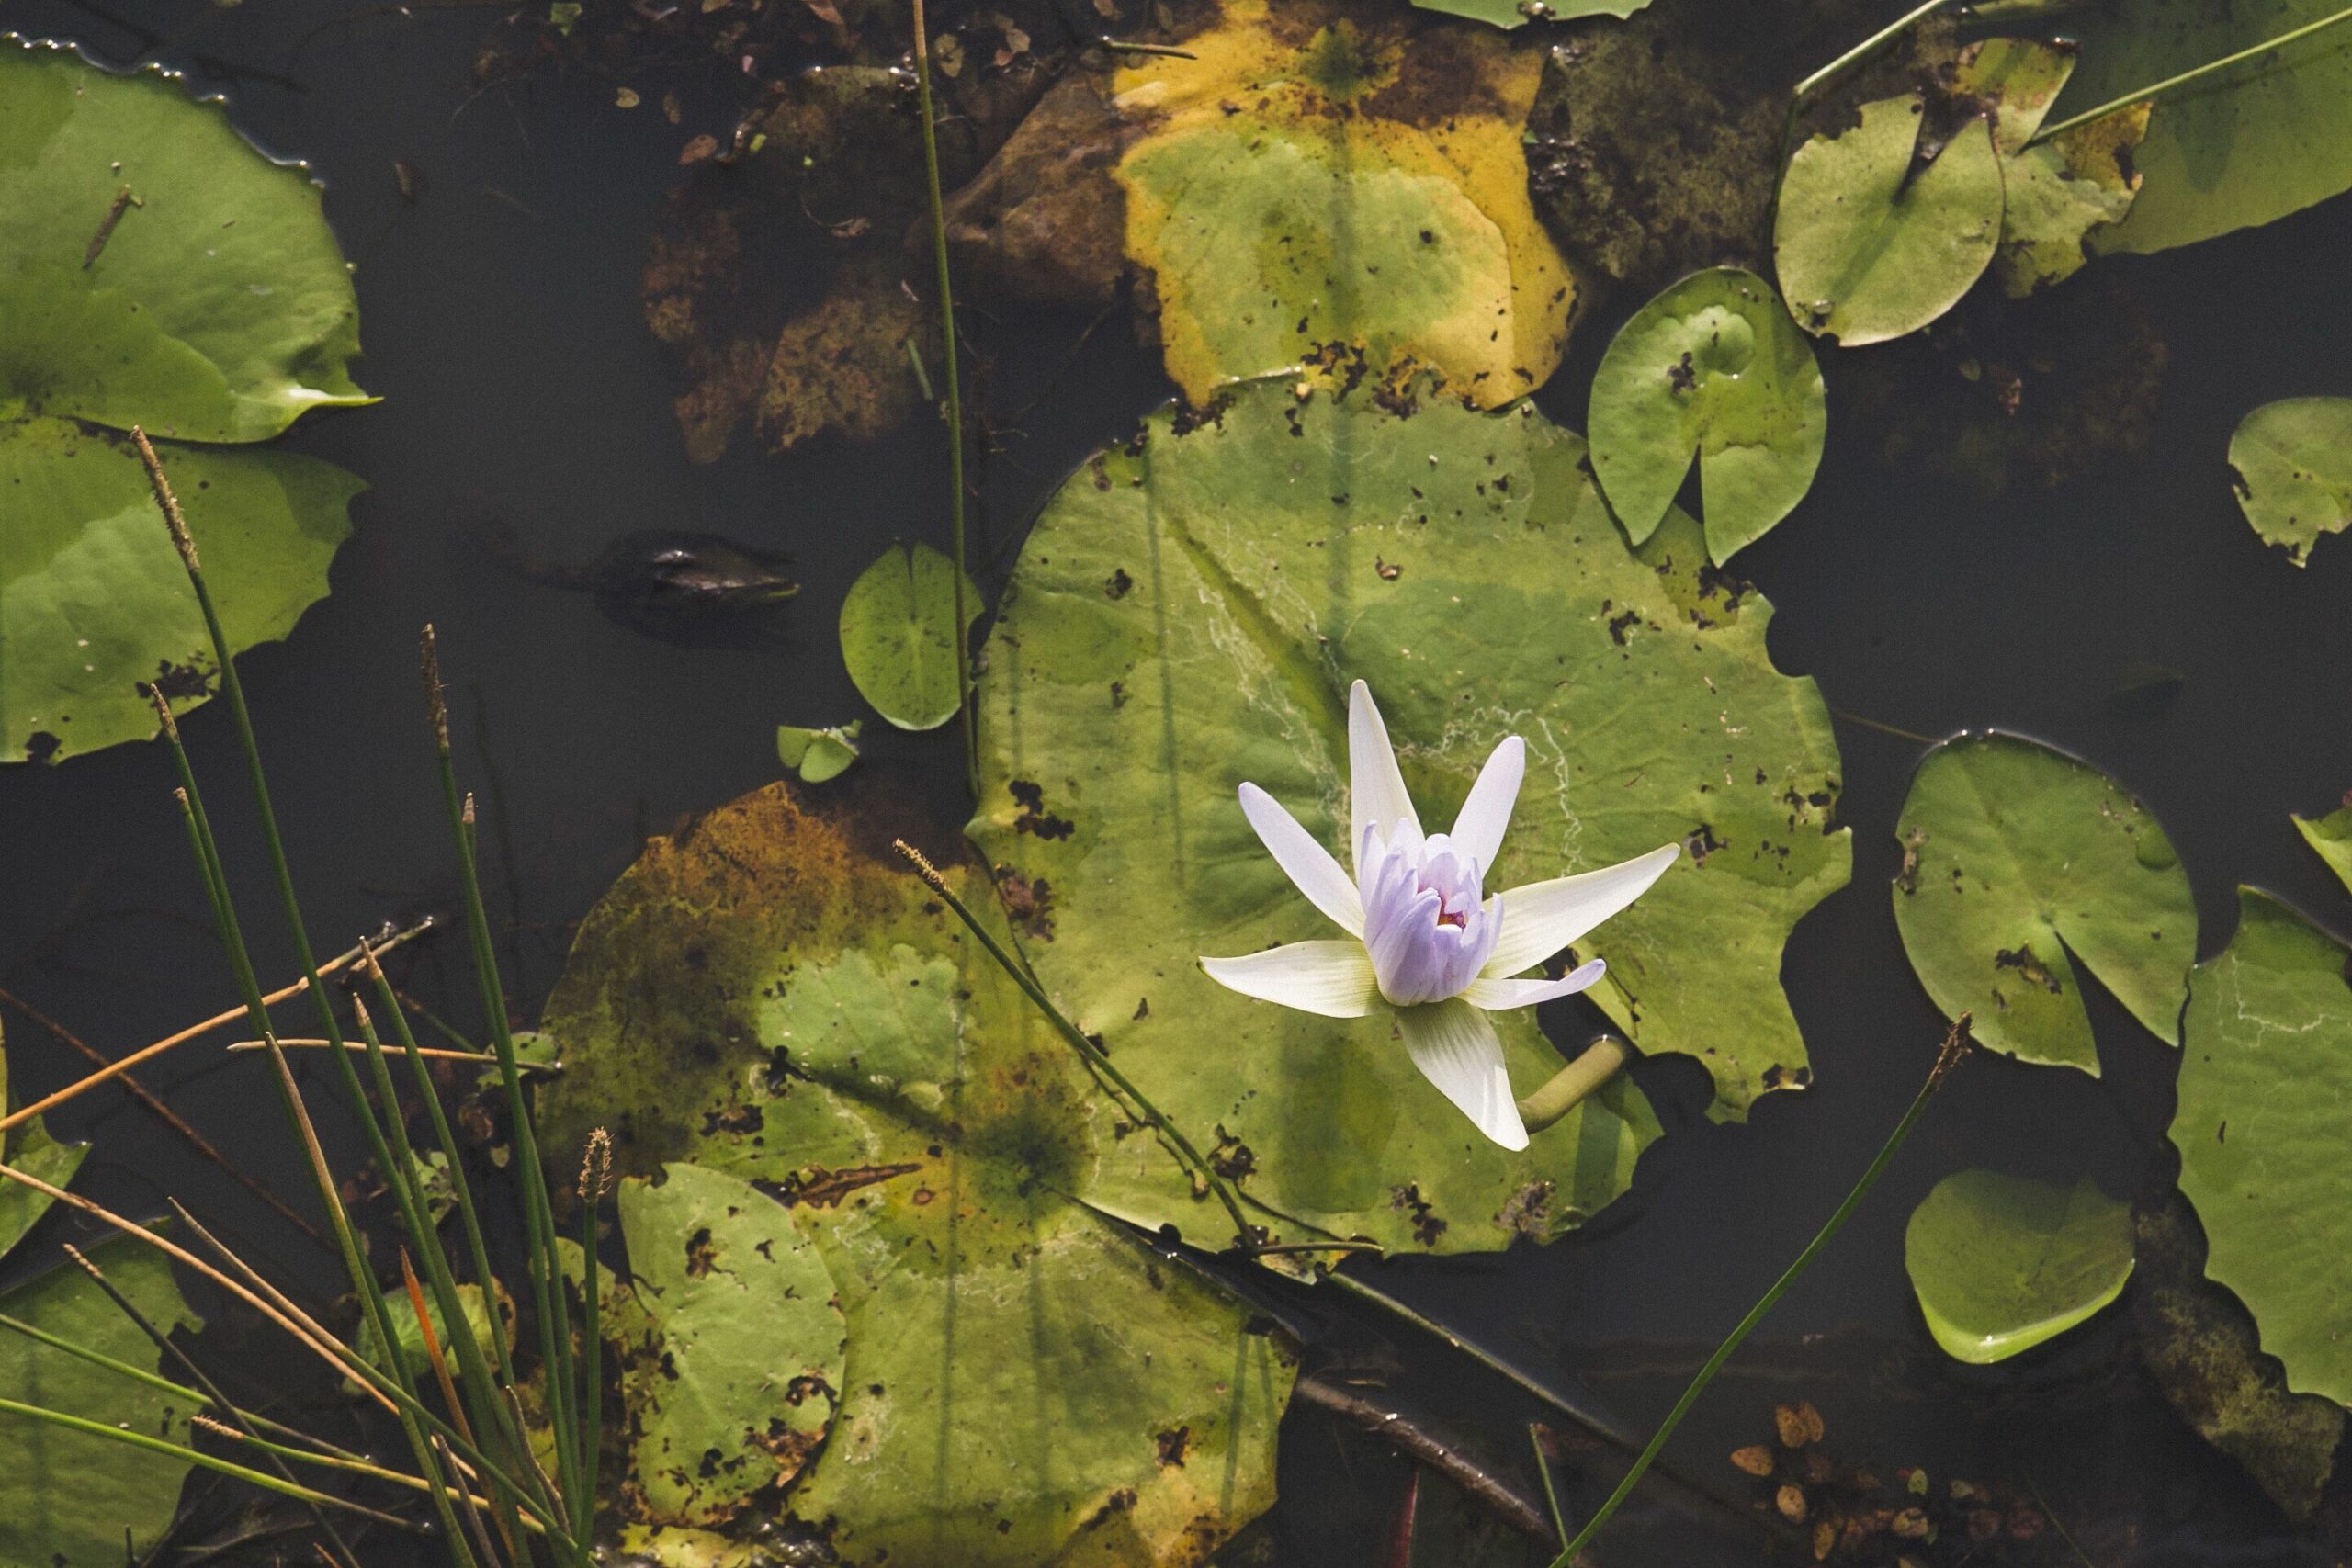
(2294, 466)
(2330, 838)
(729, 1340)
(2017, 856)
(1350, 197)
(29, 1148)
(2265, 1072)
(1712, 367)
(2254, 142)
(2057, 192)
(1869, 249)
(818, 754)
(896, 636)
(2001, 1264)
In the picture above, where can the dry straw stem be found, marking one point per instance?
(359, 1047)
(198, 1030)
(332, 1351)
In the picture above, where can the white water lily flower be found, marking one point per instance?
(1427, 945)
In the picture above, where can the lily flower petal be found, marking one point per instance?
(1311, 867)
(1542, 918)
(1375, 785)
(1456, 1047)
(1495, 995)
(1333, 978)
(1478, 829)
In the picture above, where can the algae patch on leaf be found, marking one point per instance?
(2001, 1264)
(1323, 187)
(2019, 860)
(772, 996)
(156, 270)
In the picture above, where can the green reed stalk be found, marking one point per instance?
(202, 1461)
(954, 400)
(542, 1266)
(1550, 1493)
(481, 1399)
(1955, 1045)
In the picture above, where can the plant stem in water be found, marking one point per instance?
(1954, 1046)
(962, 630)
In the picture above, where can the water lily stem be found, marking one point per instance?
(1133, 1100)
(2153, 89)
(1550, 1493)
(1830, 74)
(1566, 1089)
(1955, 1045)
(962, 627)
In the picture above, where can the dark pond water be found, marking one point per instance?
(521, 389)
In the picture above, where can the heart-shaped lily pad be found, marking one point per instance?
(2266, 1070)
(2295, 466)
(898, 635)
(154, 269)
(1188, 614)
(1714, 368)
(1870, 247)
(773, 996)
(2016, 856)
(2001, 1263)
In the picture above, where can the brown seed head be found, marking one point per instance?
(165, 501)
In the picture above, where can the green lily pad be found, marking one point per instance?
(818, 754)
(2246, 145)
(730, 1344)
(2202, 1347)
(896, 636)
(774, 996)
(157, 271)
(2019, 860)
(94, 603)
(219, 308)
(1188, 614)
(29, 1148)
(2266, 1069)
(1869, 249)
(2001, 1264)
(65, 1497)
(1341, 198)
(410, 1337)
(2057, 192)
(2295, 466)
(2330, 838)
(1712, 366)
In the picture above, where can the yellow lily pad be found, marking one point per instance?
(1339, 195)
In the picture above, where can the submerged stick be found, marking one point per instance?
(1409, 1437)
(1955, 1046)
